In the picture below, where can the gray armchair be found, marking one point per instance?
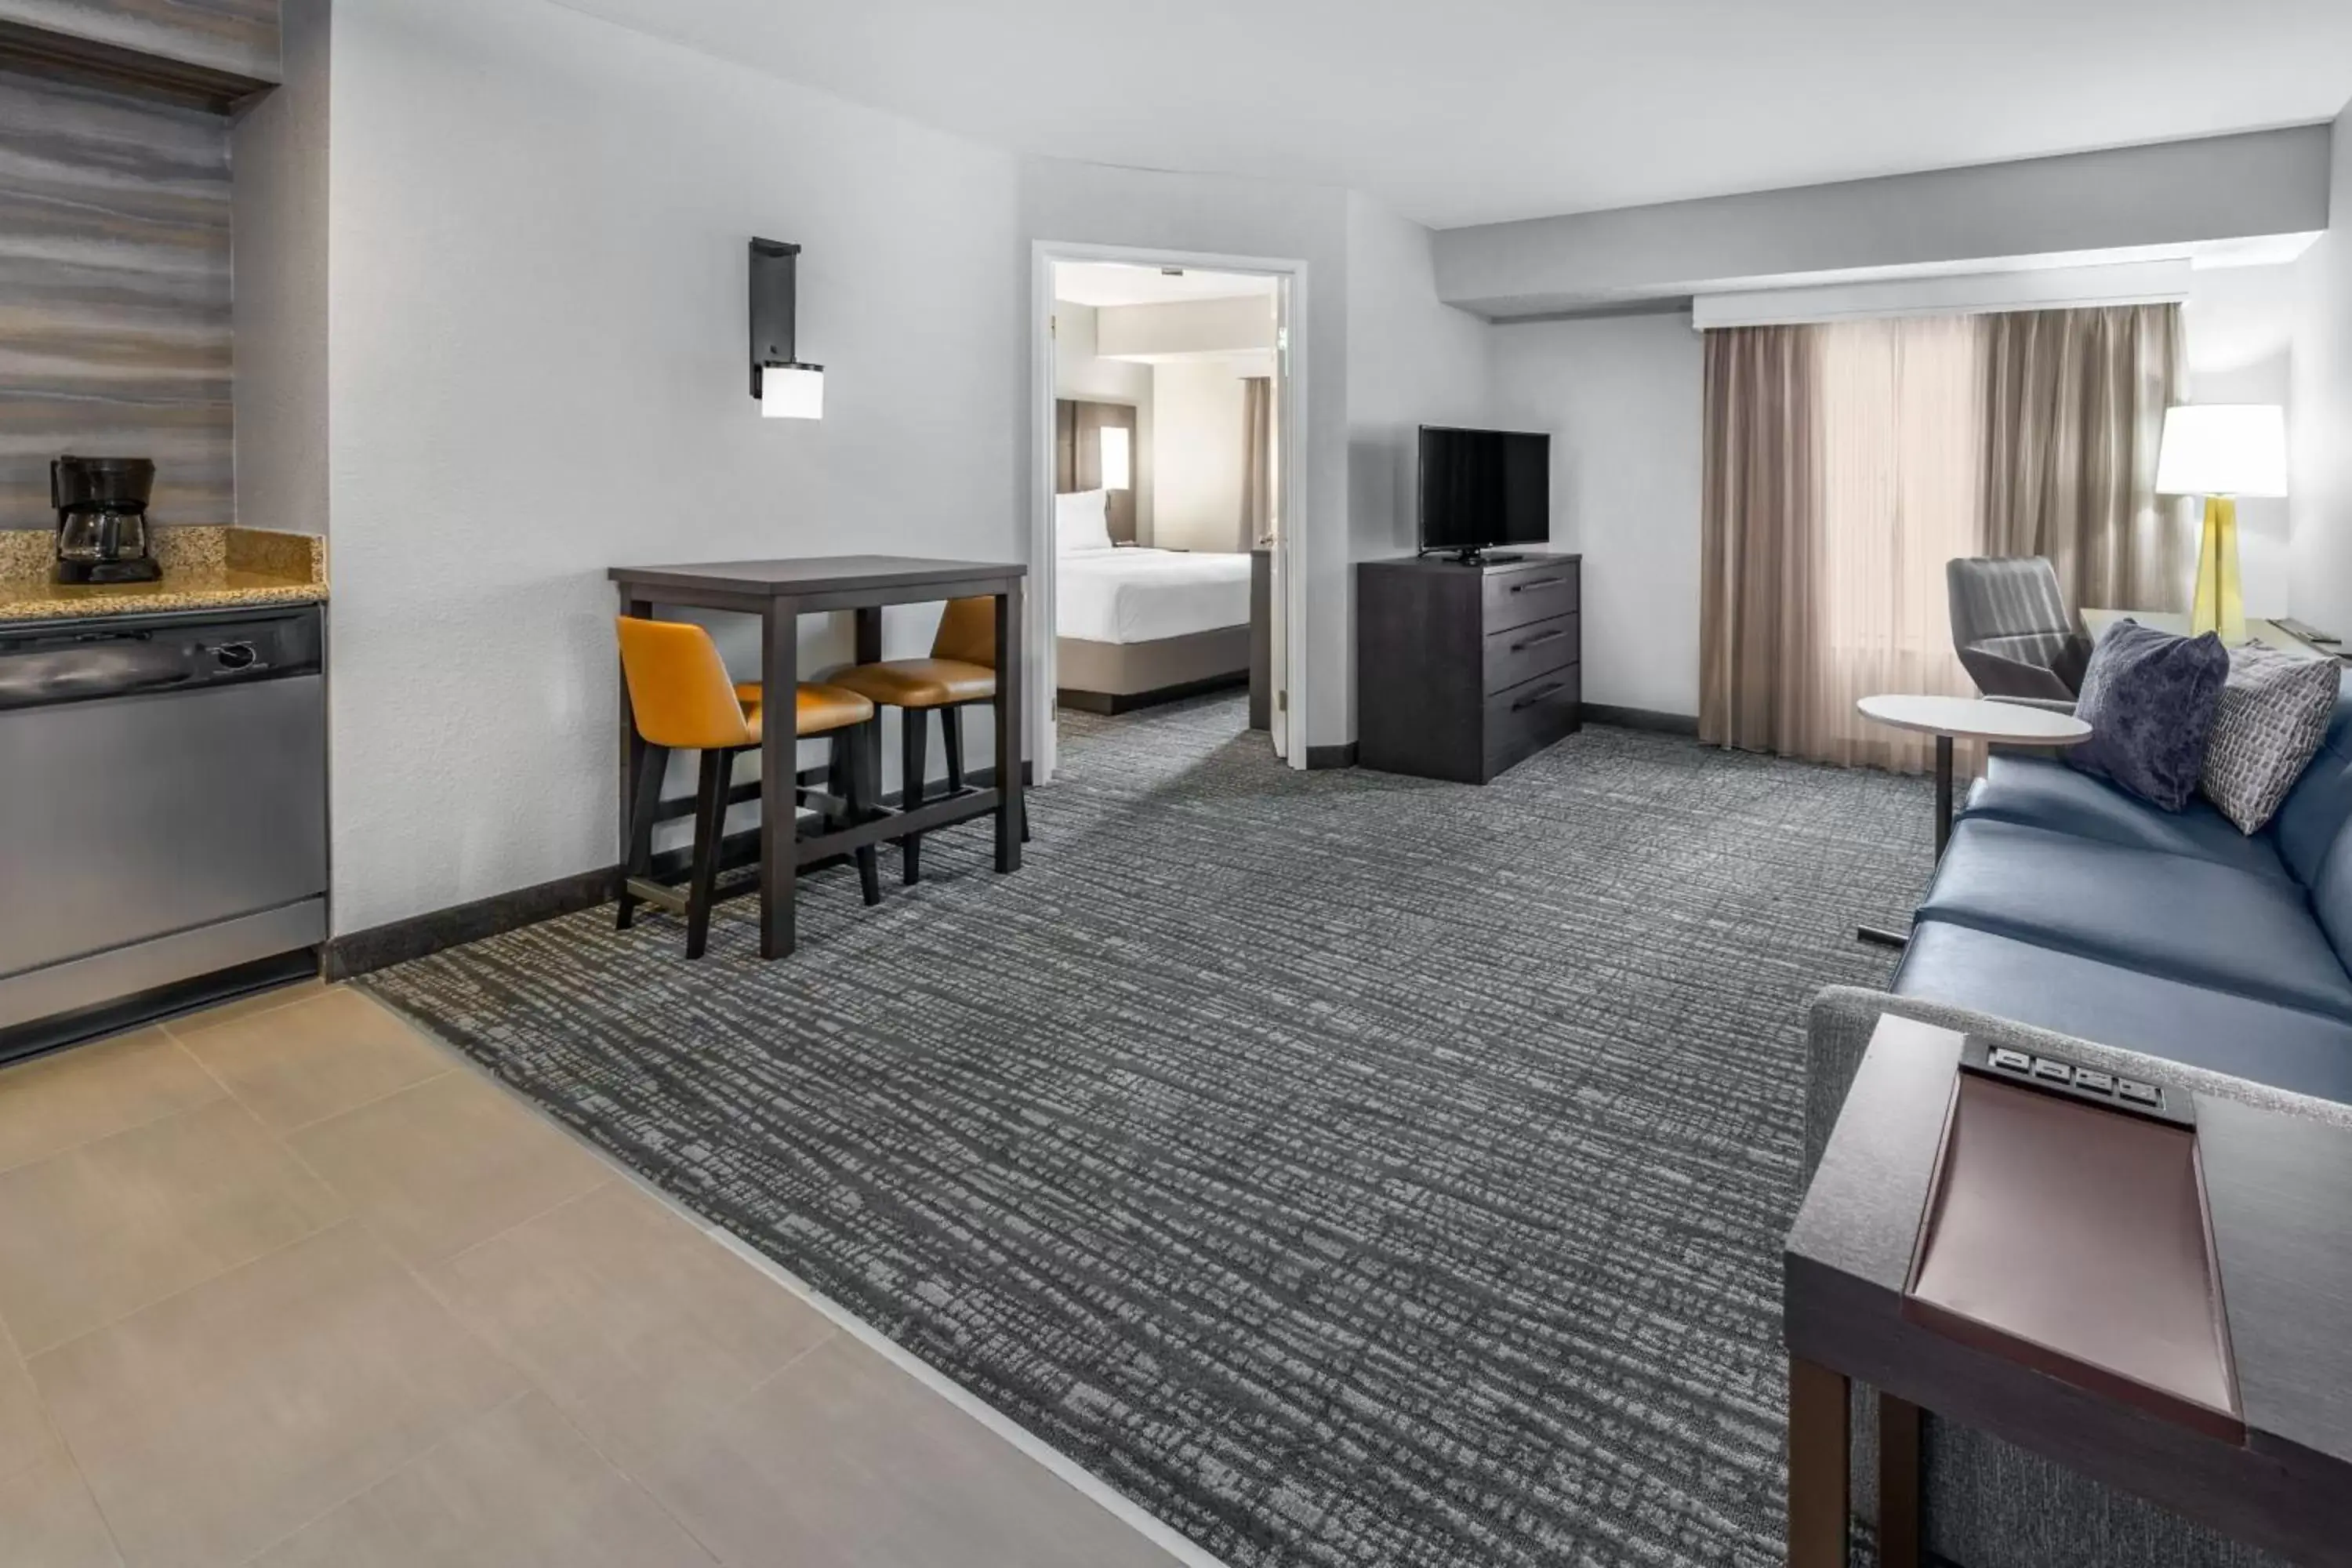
(2012, 630)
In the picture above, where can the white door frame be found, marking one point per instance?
(1291, 420)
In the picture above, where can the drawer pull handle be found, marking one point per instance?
(1534, 642)
(1554, 689)
(1539, 583)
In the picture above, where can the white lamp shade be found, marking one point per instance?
(791, 392)
(1117, 459)
(2223, 450)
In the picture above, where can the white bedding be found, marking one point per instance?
(1142, 596)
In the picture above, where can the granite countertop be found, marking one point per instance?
(204, 568)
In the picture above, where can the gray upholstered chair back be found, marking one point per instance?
(2012, 629)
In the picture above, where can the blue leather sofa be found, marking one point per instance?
(2065, 903)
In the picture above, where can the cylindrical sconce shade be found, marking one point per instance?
(1117, 459)
(791, 392)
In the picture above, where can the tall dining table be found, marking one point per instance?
(778, 592)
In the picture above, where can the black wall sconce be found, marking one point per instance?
(786, 388)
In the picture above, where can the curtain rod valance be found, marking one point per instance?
(1969, 294)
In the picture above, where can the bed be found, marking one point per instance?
(1134, 626)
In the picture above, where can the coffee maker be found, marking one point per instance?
(102, 519)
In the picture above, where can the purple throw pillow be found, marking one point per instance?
(2150, 697)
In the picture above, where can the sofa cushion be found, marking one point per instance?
(2320, 804)
(2173, 915)
(2148, 697)
(2331, 897)
(2285, 1048)
(2040, 791)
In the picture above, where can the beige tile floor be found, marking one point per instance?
(290, 1283)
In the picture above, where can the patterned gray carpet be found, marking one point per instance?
(1352, 1170)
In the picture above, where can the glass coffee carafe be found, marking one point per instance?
(102, 519)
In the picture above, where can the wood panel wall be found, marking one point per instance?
(238, 36)
(114, 295)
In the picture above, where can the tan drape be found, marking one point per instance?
(1257, 461)
(2074, 411)
(1760, 505)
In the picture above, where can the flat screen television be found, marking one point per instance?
(1482, 488)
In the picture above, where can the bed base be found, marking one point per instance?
(1118, 677)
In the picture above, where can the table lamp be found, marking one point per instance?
(2222, 451)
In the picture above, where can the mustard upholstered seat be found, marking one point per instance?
(681, 700)
(922, 682)
(962, 670)
(822, 709)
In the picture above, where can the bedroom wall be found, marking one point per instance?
(539, 224)
(1187, 327)
(1196, 431)
(1080, 372)
(2320, 547)
(2240, 322)
(1412, 361)
(1621, 396)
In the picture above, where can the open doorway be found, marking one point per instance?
(1163, 552)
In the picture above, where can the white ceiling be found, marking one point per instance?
(1458, 111)
(1110, 283)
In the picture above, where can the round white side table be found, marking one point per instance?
(1968, 718)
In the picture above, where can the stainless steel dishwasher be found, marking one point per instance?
(163, 815)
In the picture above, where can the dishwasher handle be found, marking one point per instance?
(92, 662)
(90, 669)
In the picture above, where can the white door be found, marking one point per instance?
(1278, 720)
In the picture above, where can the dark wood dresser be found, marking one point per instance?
(1463, 672)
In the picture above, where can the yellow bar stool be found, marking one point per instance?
(682, 700)
(959, 674)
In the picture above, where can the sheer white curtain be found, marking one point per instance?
(1901, 433)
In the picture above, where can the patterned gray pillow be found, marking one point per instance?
(2273, 714)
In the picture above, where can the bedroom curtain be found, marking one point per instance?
(1257, 461)
(1759, 512)
(2074, 405)
(1846, 464)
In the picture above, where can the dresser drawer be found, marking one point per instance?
(1532, 593)
(1517, 656)
(1528, 718)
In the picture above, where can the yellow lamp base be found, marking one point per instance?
(2219, 606)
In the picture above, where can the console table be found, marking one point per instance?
(1463, 671)
(2278, 1192)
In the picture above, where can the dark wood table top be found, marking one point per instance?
(817, 575)
(2280, 1191)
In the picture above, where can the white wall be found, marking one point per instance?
(2221, 188)
(1181, 328)
(539, 371)
(1196, 443)
(1170, 213)
(1412, 361)
(2321, 506)
(1621, 396)
(1080, 372)
(277, 150)
(2240, 322)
